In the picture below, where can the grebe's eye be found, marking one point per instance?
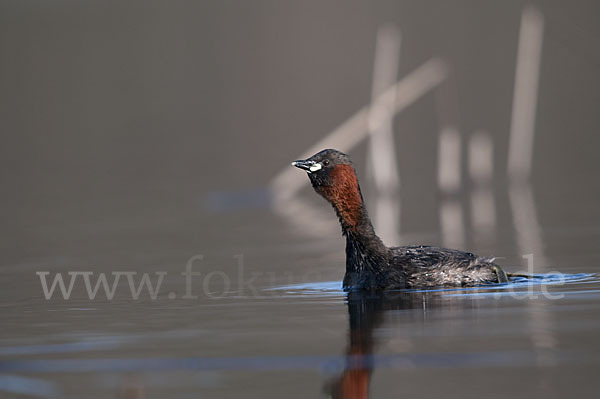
(325, 162)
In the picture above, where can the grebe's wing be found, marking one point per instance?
(462, 266)
(427, 256)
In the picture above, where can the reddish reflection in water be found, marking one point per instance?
(366, 313)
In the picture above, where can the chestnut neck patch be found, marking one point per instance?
(344, 195)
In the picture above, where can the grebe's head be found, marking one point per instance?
(324, 167)
(332, 175)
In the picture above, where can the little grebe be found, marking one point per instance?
(372, 265)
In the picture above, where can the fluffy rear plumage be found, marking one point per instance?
(432, 266)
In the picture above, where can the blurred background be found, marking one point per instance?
(120, 113)
(136, 134)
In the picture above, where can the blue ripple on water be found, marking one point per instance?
(334, 288)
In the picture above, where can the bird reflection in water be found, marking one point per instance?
(366, 313)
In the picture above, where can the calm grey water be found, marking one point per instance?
(143, 136)
(284, 327)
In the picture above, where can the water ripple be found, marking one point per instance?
(334, 288)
